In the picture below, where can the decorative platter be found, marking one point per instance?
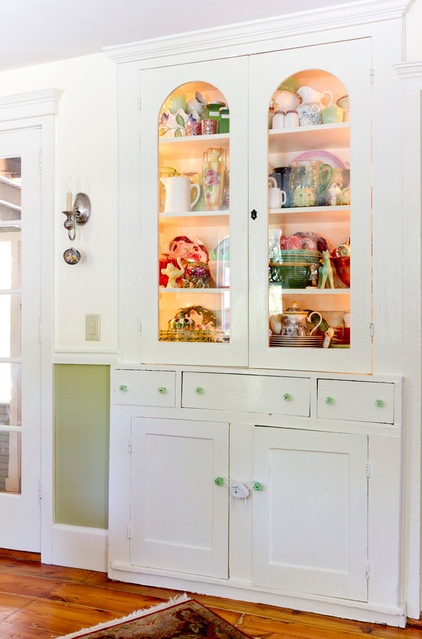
(323, 156)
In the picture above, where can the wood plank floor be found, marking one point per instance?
(39, 601)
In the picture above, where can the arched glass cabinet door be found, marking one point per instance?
(194, 274)
(314, 213)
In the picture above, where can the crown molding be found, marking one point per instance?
(409, 70)
(250, 33)
(30, 105)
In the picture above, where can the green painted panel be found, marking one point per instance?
(82, 421)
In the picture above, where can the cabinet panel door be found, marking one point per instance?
(345, 144)
(179, 515)
(310, 519)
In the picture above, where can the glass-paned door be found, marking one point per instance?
(194, 291)
(20, 244)
(310, 247)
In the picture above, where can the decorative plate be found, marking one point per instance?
(323, 156)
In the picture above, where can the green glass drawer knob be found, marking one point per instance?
(379, 403)
(219, 481)
(287, 397)
(329, 401)
(257, 486)
(199, 390)
(123, 388)
(162, 390)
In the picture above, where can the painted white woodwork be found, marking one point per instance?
(20, 526)
(281, 395)
(310, 528)
(320, 431)
(410, 75)
(322, 534)
(362, 401)
(229, 77)
(150, 388)
(26, 131)
(179, 513)
(354, 149)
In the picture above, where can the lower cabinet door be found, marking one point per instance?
(179, 518)
(310, 516)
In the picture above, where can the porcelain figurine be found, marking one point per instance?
(325, 271)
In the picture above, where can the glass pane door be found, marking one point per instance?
(309, 197)
(10, 321)
(310, 250)
(194, 281)
(194, 228)
(20, 350)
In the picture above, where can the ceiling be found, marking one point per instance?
(50, 30)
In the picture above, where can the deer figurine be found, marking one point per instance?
(325, 271)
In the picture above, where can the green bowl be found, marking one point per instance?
(290, 276)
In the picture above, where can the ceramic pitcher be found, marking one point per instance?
(178, 194)
(310, 110)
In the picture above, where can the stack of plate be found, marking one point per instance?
(308, 341)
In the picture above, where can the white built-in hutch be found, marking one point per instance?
(256, 451)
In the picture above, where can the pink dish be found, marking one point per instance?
(323, 156)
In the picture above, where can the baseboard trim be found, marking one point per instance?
(243, 591)
(80, 547)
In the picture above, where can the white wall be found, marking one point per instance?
(413, 32)
(86, 154)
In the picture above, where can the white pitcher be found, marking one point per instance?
(178, 194)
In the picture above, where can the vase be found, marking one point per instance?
(214, 173)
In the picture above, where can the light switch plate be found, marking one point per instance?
(92, 328)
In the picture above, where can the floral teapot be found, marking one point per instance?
(310, 110)
(295, 322)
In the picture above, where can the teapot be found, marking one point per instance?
(294, 322)
(312, 106)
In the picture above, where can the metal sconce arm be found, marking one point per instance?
(80, 214)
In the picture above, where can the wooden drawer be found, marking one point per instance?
(250, 393)
(357, 401)
(145, 388)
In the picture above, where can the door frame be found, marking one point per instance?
(17, 112)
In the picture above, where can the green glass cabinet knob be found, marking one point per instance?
(162, 390)
(379, 403)
(199, 390)
(329, 401)
(257, 486)
(123, 388)
(287, 397)
(219, 481)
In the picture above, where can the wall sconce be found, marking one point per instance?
(77, 213)
(80, 214)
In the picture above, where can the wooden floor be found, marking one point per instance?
(38, 601)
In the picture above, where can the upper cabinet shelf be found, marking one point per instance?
(331, 136)
(191, 146)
